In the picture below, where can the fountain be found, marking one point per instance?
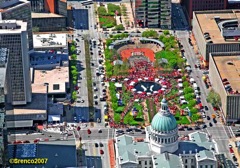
(147, 86)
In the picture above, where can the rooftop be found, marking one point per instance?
(55, 155)
(12, 26)
(6, 4)
(229, 68)
(56, 79)
(45, 15)
(37, 106)
(202, 155)
(128, 148)
(167, 160)
(50, 40)
(208, 24)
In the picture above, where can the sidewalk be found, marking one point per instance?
(111, 153)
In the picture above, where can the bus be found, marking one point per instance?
(88, 2)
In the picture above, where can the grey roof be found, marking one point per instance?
(117, 62)
(129, 150)
(198, 137)
(166, 160)
(205, 154)
(57, 155)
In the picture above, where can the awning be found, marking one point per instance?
(19, 124)
(54, 118)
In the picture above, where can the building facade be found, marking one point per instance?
(18, 10)
(153, 13)
(48, 22)
(3, 128)
(202, 5)
(226, 85)
(162, 147)
(13, 37)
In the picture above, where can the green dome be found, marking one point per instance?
(163, 122)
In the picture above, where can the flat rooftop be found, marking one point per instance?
(50, 40)
(37, 106)
(208, 24)
(230, 72)
(46, 15)
(56, 79)
(14, 26)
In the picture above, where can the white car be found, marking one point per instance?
(204, 116)
(229, 145)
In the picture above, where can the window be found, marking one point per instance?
(185, 160)
(201, 166)
(145, 162)
(211, 166)
(55, 86)
(140, 162)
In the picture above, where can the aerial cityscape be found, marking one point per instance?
(119, 83)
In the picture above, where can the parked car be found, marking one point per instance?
(96, 145)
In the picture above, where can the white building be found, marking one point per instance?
(163, 149)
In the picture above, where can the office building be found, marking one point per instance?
(224, 76)
(49, 6)
(53, 154)
(202, 5)
(233, 4)
(162, 146)
(153, 14)
(48, 22)
(18, 10)
(13, 35)
(216, 31)
(3, 129)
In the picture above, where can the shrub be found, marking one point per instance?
(102, 11)
(150, 33)
(119, 27)
(113, 8)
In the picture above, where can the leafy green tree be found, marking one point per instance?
(117, 118)
(185, 84)
(166, 32)
(214, 98)
(74, 95)
(102, 11)
(188, 90)
(188, 96)
(192, 103)
(74, 57)
(119, 27)
(150, 33)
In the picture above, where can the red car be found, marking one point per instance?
(231, 150)
(101, 152)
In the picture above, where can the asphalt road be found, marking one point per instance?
(219, 132)
(81, 108)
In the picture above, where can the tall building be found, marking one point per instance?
(3, 129)
(162, 146)
(202, 5)
(13, 37)
(18, 10)
(153, 13)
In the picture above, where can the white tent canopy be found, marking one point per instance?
(192, 80)
(118, 85)
(52, 118)
(180, 85)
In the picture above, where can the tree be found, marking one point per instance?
(192, 103)
(166, 32)
(188, 96)
(119, 27)
(214, 98)
(74, 95)
(150, 33)
(188, 90)
(185, 84)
